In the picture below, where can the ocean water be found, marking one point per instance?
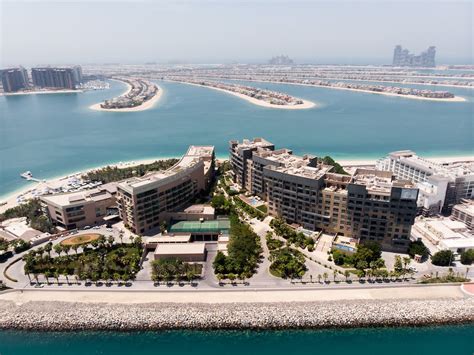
(53, 135)
(457, 340)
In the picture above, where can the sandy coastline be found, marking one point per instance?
(35, 310)
(10, 198)
(145, 106)
(305, 105)
(454, 99)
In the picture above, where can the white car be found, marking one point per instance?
(87, 227)
(96, 227)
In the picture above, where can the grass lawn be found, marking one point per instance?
(80, 239)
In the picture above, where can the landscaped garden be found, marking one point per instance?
(174, 270)
(102, 259)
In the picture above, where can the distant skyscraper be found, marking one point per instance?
(281, 60)
(403, 58)
(14, 79)
(64, 78)
(77, 74)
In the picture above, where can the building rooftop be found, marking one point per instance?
(71, 198)
(186, 248)
(466, 206)
(169, 238)
(200, 209)
(255, 143)
(195, 155)
(378, 181)
(455, 169)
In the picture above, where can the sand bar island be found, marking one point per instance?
(257, 96)
(140, 95)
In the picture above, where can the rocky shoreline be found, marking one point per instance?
(69, 316)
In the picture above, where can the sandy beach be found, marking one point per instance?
(454, 99)
(145, 106)
(305, 105)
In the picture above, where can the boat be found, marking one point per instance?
(26, 175)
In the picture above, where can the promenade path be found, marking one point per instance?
(424, 292)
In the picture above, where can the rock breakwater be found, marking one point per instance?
(160, 316)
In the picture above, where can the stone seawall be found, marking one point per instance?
(341, 314)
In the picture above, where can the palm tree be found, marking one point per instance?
(325, 276)
(75, 247)
(48, 247)
(35, 275)
(334, 274)
(242, 277)
(67, 249)
(311, 278)
(58, 248)
(467, 272)
(319, 278)
(121, 234)
(347, 274)
(47, 275)
(110, 239)
(56, 276)
(231, 277)
(406, 262)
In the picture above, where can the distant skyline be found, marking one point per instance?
(339, 32)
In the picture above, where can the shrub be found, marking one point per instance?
(442, 258)
(467, 257)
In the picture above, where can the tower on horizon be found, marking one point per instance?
(403, 58)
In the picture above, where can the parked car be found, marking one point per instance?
(87, 227)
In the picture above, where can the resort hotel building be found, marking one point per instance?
(144, 202)
(369, 205)
(441, 185)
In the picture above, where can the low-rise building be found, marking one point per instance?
(464, 212)
(188, 252)
(82, 208)
(444, 233)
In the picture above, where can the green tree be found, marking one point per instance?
(467, 257)
(442, 258)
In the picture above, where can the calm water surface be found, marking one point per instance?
(457, 340)
(53, 135)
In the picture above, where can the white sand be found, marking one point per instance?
(454, 99)
(145, 106)
(267, 296)
(305, 105)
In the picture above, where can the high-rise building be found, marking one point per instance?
(441, 185)
(369, 205)
(77, 74)
(58, 78)
(14, 79)
(144, 202)
(402, 57)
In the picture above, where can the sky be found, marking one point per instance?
(38, 32)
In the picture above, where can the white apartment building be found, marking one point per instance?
(441, 185)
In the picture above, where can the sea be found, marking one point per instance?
(53, 135)
(457, 340)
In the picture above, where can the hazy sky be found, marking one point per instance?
(66, 32)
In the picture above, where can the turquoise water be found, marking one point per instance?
(53, 135)
(457, 340)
